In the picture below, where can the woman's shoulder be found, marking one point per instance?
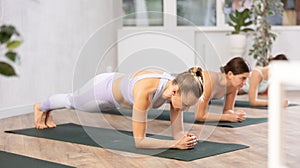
(257, 69)
(210, 80)
(257, 75)
(262, 71)
(211, 76)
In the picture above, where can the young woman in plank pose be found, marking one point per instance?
(224, 84)
(258, 83)
(140, 91)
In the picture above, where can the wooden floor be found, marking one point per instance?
(83, 156)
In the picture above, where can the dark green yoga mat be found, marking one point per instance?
(188, 117)
(241, 103)
(123, 141)
(10, 160)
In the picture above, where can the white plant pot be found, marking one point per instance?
(238, 44)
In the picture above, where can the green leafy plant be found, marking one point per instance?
(9, 41)
(240, 21)
(263, 36)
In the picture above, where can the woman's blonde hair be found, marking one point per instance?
(190, 81)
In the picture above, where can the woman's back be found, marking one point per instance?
(151, 81)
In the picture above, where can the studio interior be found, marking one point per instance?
(150, 83)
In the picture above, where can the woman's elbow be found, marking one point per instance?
(138, 142)
(253, 102)
(200, 118)
(138, 145)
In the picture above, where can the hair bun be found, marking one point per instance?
(196, 71)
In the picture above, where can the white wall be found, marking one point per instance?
(56, 35)
(288, 42)
(170, 50)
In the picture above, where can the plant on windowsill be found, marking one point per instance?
(9, 41)
(240, 21)
(263, 36)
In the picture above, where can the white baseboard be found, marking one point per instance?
(15, 110)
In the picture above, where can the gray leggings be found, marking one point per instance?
(96, 95)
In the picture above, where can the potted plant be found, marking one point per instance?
(9, 41)
(263, 36)
(240, 21)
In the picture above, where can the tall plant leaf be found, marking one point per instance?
(6, 69)
(13, 44)
(11, 55)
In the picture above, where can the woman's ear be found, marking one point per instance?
(230, 75)
(172, 91)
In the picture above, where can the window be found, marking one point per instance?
(196, 12)
(232, 5)
(291, 14)
(143, 12)
(204, 13)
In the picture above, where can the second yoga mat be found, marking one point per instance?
(123, 141)
(11, 160)
(188, 117)
(242, 103)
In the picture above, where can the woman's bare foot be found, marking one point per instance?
(49, 121)
(39, 117)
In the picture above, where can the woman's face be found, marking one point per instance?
(183, 102)
(239, 80)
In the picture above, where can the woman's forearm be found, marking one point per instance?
(154, 143)
(259, 102)
(212, 117)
